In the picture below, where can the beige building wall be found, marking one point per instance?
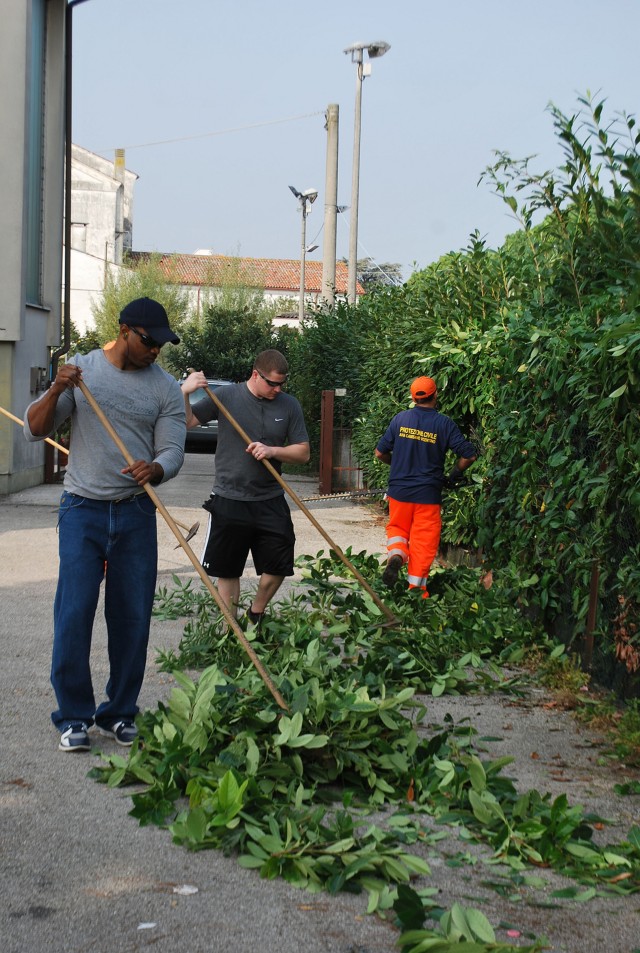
(28, 328)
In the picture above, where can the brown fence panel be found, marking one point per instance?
(326, 441)
(338, 469)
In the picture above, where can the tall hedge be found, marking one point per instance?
(536, 350)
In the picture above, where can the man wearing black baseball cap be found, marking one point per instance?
(107, 523)
(153, 318)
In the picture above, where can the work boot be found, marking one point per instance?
(392, 569)
(254, 620)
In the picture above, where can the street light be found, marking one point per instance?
(305, 198)
(379, 48)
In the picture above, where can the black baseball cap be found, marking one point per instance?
(153, 318)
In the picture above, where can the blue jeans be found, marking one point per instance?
(123, 536)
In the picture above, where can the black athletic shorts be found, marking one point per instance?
(237, 528)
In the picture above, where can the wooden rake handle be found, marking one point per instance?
(171, 523)
(17, 420)
(285, 486)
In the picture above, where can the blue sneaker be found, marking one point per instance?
(75, 738)
(124, 732)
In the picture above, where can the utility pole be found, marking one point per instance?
(305, 198)
(303, 256)
(355, 184)
(379, 48)
(330, 208)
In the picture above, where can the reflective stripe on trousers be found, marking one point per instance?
(413, 532)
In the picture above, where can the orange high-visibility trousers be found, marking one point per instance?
(413, 532)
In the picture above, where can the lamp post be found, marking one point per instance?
(305, 198)
(379, 48)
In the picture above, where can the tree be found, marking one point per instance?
(327, 353)
(223, 345)
(373, 275)
(236, 325)
(82, 343)
(147, 279)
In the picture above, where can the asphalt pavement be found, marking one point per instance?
(78, 874)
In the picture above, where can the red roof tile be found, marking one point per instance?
(272, 274)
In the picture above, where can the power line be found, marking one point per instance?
(219, 132)
(393, 280)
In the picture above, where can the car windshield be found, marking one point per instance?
(197, 395)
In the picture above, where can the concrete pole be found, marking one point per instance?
(118, 174)
(303, 252)
(355, 182)
(331, 205)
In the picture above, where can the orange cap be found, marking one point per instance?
(423, 388)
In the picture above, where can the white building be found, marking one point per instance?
(101, 226)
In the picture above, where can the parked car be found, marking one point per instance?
(205, 436)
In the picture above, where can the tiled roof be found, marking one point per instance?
(272, 274)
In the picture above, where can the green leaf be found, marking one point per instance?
(388, 720)
(253, 756)
(409, 907)
(257, 851)
(479, 808)
(416, 865)
(480, 926)
(271, 843)
(616, 859)
(438, 687)
(246, 860)
(309, 741)
(180, 703)
(576, 893)
(340, 847)
(285, 731)
(196, 825)
(477, 774)
(230, 793)
(585, 853)
(633, 837)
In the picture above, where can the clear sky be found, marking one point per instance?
(240, 88)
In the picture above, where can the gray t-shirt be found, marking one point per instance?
(145, 408)
(276, 423)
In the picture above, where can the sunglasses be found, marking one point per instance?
(146, 339)
(272, 383)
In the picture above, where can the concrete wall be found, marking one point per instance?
(87, 285)
(28, 331)
(101, 227)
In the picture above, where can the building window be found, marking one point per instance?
(35, 151)
(79, 236)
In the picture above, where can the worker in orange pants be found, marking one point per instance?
(415, 445)
(413, 535)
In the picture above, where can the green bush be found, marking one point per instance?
(536, 351)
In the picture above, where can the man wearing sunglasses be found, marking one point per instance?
(248, 510)
(107, 523)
